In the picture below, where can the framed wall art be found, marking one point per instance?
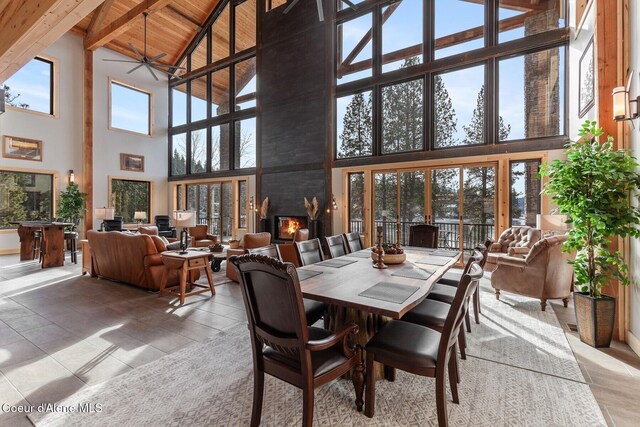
(131, 162)
(14, 147)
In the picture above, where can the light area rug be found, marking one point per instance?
(522, 373)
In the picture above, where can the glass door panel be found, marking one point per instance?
(214, 209)
(227, 211)
(386, 201)
(445, 206)
(412, 209)
(478, 202)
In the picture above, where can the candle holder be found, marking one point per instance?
(378, 261)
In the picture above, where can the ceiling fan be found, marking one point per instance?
(149, 63)
(320, 9)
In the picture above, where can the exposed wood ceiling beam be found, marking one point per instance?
(441, 43)
(195, 26)
(122, 24)
(521, 5)
(99, 16)
(30, 26)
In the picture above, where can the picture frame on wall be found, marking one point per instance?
(14, 147)
(131, 162)
(586, 92)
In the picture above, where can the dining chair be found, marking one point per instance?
(283, 345)
(309, 252)
(314, 310)
(452, 278)
(423, 351)
(446, 293)
(423, 236)
(352, 242)
(335, 244)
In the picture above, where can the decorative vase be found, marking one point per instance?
(390, 258)
(595, 318)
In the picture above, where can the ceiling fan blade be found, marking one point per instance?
(169, 67)
(122, 60)
(320, 11)
(155, 58)
(135, 68)
(288, 8)
(136, 51)
(169, 73)
(151, 71)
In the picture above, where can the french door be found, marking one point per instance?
(213, 204)
(460, 200)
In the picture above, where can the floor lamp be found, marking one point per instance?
(184, 219)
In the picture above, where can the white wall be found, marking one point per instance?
(109, 143)
(634, 267)
(577, 45)
(62, 136)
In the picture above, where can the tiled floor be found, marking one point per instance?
(60, 331)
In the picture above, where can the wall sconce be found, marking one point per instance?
(334, 205)
(72, 177)
(624, 107)
(251, 205)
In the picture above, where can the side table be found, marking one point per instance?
(185, 263)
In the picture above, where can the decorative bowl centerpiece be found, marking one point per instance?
(216, 247)
(234, 244)
(392, 254)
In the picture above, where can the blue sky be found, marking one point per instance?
(129, 109)
(32, 82)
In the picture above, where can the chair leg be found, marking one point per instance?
(358, 379)
(441, 396)
(455, 362)
(543, 304)
(453, 380)
(74, 251)
(497, 294)
(565, 302)
(307, 405)
(467, 321)
(462, 341)
(476, 305)
(370, 398)
(258, 392)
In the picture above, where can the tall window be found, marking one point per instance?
(356, 202)
(130, 109)
(422, 75)
(214, 106)
(32, 87)
(525, 190)
(130, 196)
(25, 196)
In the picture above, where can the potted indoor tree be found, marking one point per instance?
(71, 203)
(592, 187)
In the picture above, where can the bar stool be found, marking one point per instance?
(71, 240)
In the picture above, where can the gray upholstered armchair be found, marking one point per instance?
(514, 241)
(544, 273)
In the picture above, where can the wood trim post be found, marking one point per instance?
(87, 140)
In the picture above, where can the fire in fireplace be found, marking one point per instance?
(286, 226)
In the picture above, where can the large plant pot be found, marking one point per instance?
(595, 318)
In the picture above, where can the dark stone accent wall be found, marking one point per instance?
(294, 99)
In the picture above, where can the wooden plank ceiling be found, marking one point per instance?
(171, 26)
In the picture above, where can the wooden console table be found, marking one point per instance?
(194, 260)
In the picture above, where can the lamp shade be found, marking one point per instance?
(140, 215)
(184, 218)
(105, 213)
(552, 223)
(620, 102)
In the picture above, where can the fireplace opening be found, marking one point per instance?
(286, 226)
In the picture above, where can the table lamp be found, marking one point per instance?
(184, 219)
(104, 213)
(552, 224)
(140, 216)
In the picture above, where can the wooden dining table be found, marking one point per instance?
(53, 238)
(344, 283)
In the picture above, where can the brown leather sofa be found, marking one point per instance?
(514, 241)
(544, 273)
(130, 258)
(249, 241)
(288, 251)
